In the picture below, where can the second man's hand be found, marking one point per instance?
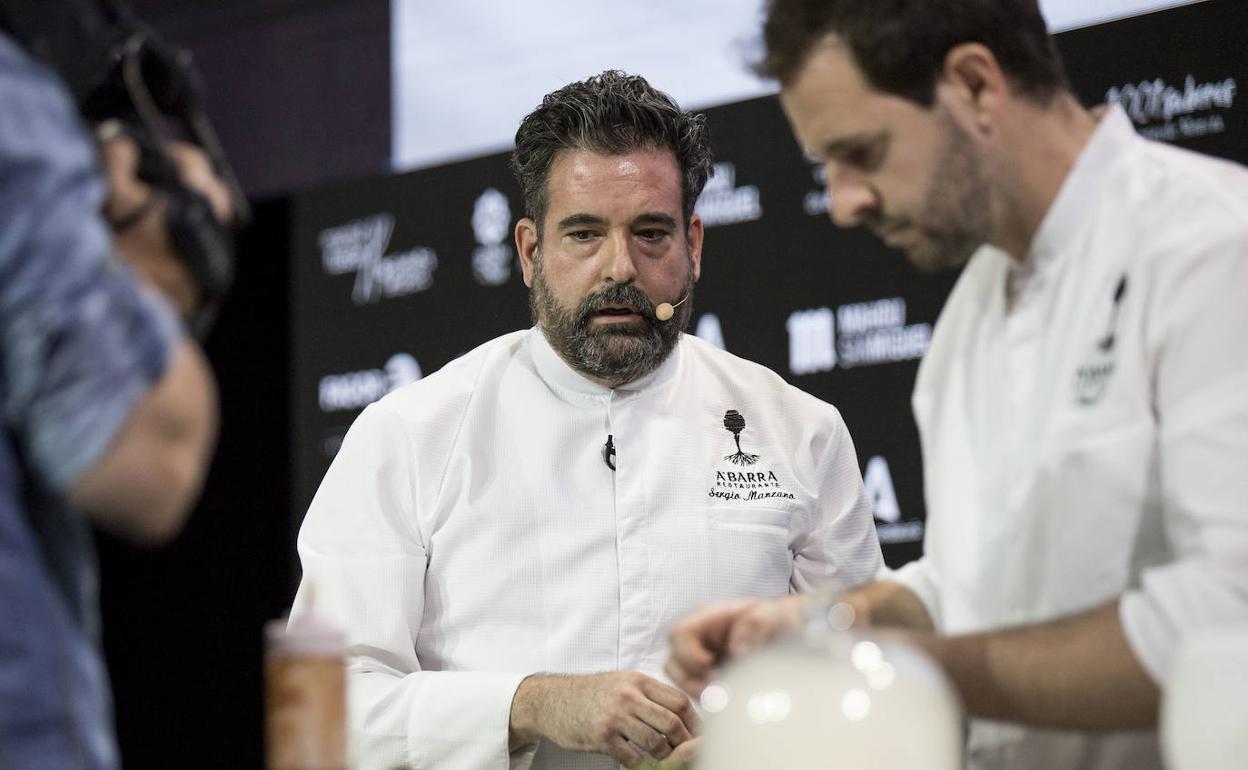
(725, 630)
(620, 714)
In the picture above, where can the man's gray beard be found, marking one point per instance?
(956, 217)
(614, 353)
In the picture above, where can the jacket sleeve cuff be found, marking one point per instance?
(465, 721)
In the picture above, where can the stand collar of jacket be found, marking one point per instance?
(1081, 189)
(573, 387)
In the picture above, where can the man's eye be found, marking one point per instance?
(863, 158)
(581, 235)
(652, 235)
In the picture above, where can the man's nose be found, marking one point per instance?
(851, 199)
(619, 264)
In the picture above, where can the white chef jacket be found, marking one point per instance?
(1082, 442)
(470, 533)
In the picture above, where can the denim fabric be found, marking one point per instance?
(79, 344)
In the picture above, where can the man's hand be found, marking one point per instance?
(733, 628)
(145, 243)
(620, 714)
(682, 758)
(724, 630)
(888, 604)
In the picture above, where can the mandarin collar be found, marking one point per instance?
(1080, 190)
(573, 387)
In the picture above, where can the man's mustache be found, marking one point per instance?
(616, 295)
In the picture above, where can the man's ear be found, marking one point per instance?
(694, 236)
(526, 246)
(972, 85)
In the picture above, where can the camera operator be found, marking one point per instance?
(109, 408)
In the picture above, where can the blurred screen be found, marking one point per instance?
(465, 73)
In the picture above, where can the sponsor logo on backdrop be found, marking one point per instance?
(816, 202)
(356, 390)
(876, 332)
(878, 482)
(742, 479)
(857, 334)
(723, 203)
(1167, 112)
(812, 341)
(491, 224)
(360, 247)
(709, 329)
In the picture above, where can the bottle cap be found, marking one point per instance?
(305, 634)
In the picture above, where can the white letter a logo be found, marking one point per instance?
(879, 484)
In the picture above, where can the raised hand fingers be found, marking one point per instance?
(700, 640)
(762, 622)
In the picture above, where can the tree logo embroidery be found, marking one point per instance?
(735, 423)
(1093, 375)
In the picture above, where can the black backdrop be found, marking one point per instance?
(399, 274)
(297, 357)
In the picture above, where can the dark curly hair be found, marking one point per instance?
(900, 45)
(613, 113)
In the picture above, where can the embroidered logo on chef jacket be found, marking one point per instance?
(734, 423)
(732, 482)
(1092, 376)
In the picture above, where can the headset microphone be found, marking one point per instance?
(665, 310)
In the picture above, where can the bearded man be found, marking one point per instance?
(508, 540)
(1083, 406)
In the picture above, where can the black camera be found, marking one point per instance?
(124, 76)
